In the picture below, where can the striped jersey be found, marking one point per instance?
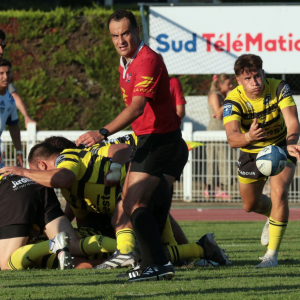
(88, 192)
(266, 109)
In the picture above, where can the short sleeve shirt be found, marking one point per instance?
(146, 75)
(176, 92)
(266, 109)
(8, 111)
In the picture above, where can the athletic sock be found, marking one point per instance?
(268, 211)
(49, 261)
(276, 232)
(96, 244)
(125, 240)
(186, 251)
(167, 237)
(26, 256)
(147, 233)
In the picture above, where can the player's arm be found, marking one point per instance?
(15, 134)
(125, 118)
(56, 178)
(236, 139)
(290, 116)
(180, 110)
(120, 154)
(213, 100)
(21, 107)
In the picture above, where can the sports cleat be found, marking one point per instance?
(267, 262)
(212, 251)
(205, 263)
(153, 272)
(265, 234)
(118, 260)
(61, 248)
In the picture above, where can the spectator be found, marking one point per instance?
(216, 155)
(12, 89)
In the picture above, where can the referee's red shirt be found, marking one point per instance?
(146, 75)
(176, 92)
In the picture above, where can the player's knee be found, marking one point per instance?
(128, 207)
(280, 192)
(249, 207)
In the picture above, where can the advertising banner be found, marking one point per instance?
(208, 39)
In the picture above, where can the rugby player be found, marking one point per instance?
(8, 110)
(27, 205)
(145, 87)
(258, 113)
(11, 87)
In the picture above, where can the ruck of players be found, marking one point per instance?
(120, 190)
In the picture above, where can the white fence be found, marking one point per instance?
(196, 174)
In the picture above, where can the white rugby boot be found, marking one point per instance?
(267, 262)
(60, 246)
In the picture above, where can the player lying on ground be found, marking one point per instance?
(25, 204)
(258, 113)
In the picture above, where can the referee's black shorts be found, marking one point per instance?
(25, 203)
(155, 152)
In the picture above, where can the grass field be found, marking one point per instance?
(240, 281)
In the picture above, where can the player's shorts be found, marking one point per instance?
(248, 171)
(177, 164)
(25, 203)
(155, 152)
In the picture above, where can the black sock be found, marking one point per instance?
(146, 230)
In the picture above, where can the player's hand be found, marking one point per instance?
(255, 132)
(20, 160)
(12, 170)
(90, 138)
(113, 176)
(294, 150)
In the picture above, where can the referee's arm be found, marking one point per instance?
(125, 118)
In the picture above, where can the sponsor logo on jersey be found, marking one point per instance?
(286, 91)
(128, 77)
(60, 158)
(21, 183)
(267, 99)
(2, 110)
(249, 105)
(2, 103)
(227, 110)
(246, 173)
(146, 82)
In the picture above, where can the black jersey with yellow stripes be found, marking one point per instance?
(266, 109)
(88, 192)
(102, 148)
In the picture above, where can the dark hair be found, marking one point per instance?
(120, 14)
(42, 151)
(2, 35)
(247, 63)
(4, 62)
(60, 143)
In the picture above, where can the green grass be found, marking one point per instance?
(240, 281)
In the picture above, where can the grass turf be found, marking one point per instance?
(240, 281)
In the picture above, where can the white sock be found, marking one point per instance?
(272, 253)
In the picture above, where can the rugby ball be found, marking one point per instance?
(271, 160)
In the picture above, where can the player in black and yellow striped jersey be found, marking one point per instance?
(258, 113)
